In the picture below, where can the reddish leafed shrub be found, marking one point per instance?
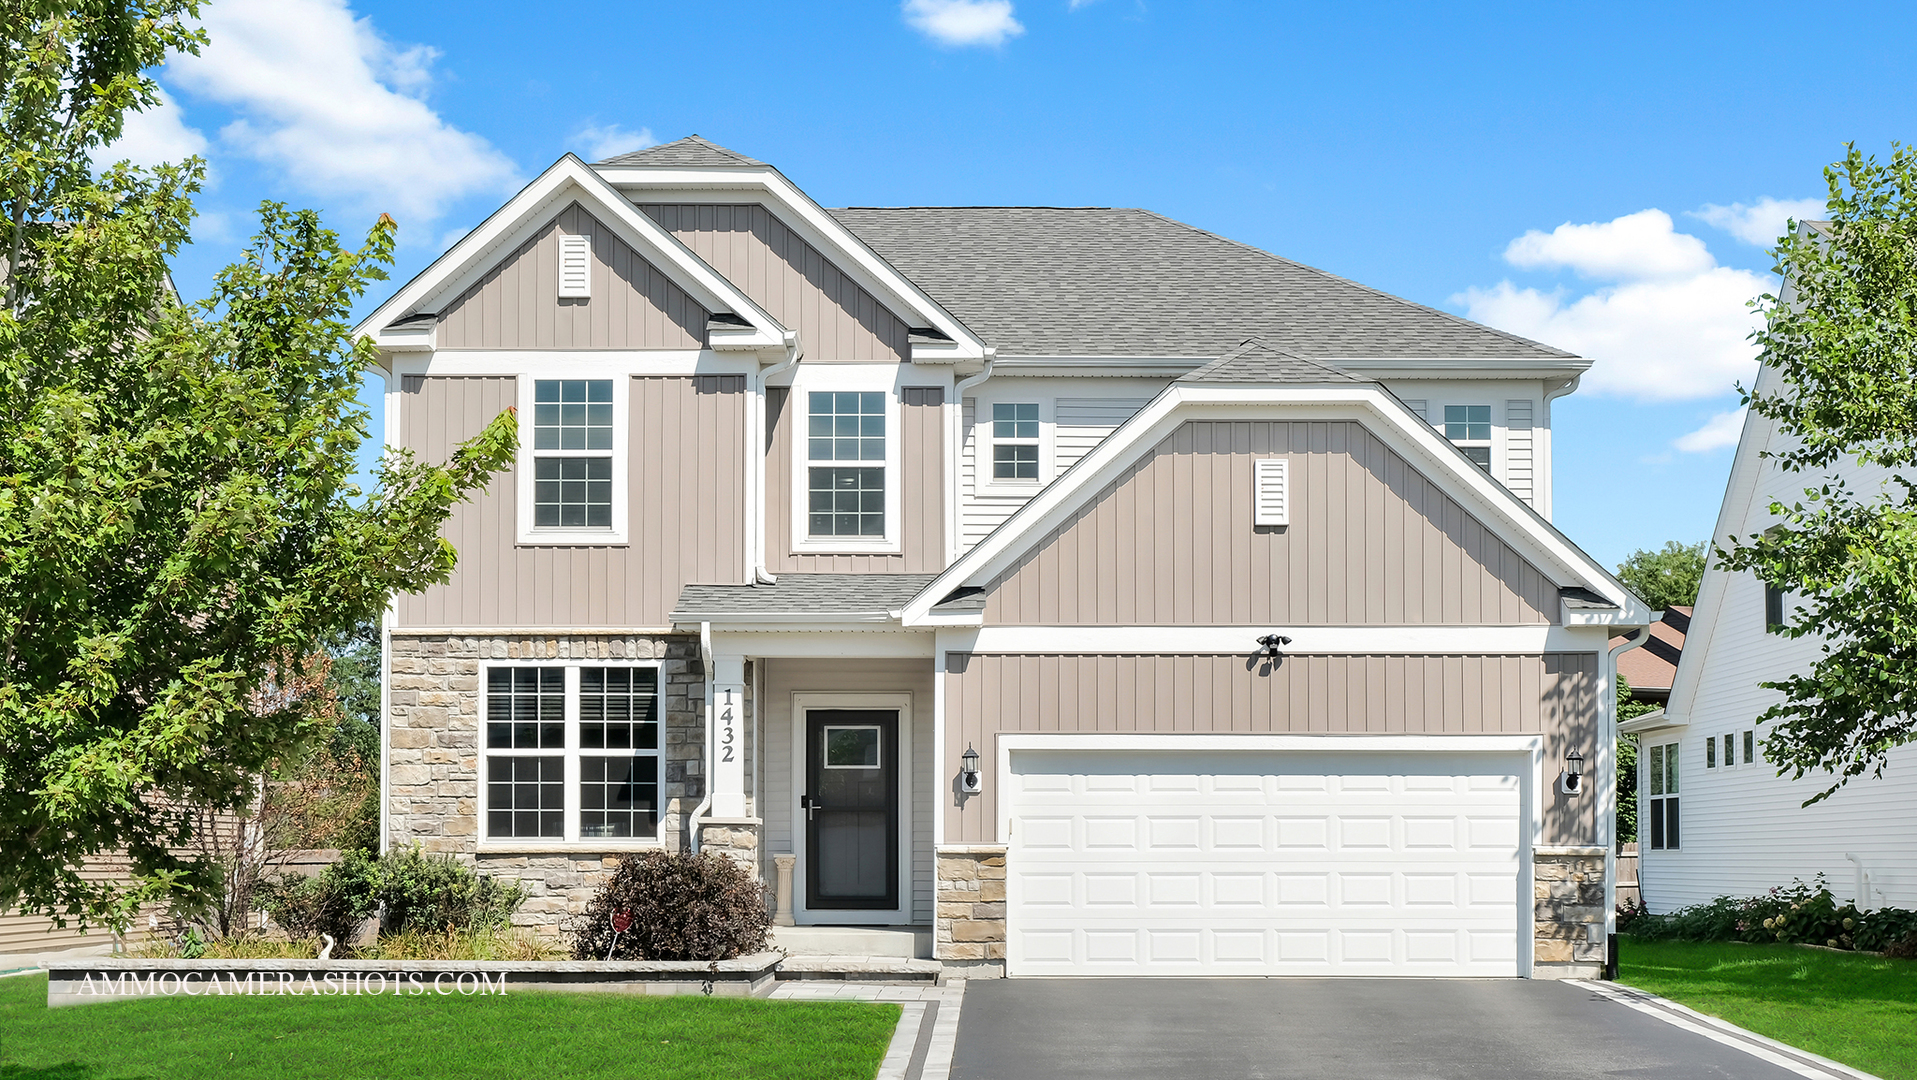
(681, 907)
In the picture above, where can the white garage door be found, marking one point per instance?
(1265, 863)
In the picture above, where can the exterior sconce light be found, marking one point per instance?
(1572, 781)
(971, 782)
(1271, 642)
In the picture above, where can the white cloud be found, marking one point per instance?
(159, 135)
(1762, 222)
(1633, 247)
(597, 143)
(1671, 325)
(963, 22)
(1718, 432)
(322, 97)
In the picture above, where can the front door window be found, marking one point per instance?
(851, 808)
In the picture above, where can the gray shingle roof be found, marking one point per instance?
(1094, 281)
(691, 150)
(1255, 361)
(802, 594)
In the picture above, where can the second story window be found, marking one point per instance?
(572, 448)
(1015, 441)
(845, 476)
(1469, 428)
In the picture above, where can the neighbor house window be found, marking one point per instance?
(1660, 787)
(1015, 441)
(1710, 751)
(1730, 750)
(1750, 747)
(1469, 428)
(572, 752)
(1773, 609)
(845, 477)
(572, 454)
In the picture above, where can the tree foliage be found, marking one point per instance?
(1842, 341)
(1665, 577)
(178, 531)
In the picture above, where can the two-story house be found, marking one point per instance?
(1103, 594)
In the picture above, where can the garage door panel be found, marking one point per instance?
(1253, 865)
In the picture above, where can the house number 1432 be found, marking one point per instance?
(728, 732)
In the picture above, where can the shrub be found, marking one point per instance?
(336, 901)
(1629, 914)
(435, 892)
(1905, 949)
(1801, 913)
(683, 907)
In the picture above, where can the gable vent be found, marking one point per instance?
(1271, 495)
(575, 267)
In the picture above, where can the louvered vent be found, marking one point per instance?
(1271, 499)
(575, 267)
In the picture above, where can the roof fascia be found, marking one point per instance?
(820, 229)
(1461, 367)
(566, 180)
(1501, 512)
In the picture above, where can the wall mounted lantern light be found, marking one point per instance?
(1271, 642)
(971, 782)
(1572, 781)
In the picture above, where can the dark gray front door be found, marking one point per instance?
(851, 808)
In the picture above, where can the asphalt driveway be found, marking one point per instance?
(1324, 1029)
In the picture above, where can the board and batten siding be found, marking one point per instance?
(782, 679)
(920, 478)
(517, 304)
(1552, 694)
(685, 516)
(1371, 542)
(835, 317)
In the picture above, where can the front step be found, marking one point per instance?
(888, 970)
(900, 942)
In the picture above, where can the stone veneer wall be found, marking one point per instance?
(1569, 900)
(969, 922)
(434, 735)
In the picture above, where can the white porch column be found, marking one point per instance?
(726, 772)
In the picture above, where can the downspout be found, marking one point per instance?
(386, 620)
(1610, 847)
(705, 768)
(1550, 451)
(757, 454)
(1863, 882)
(953, 528)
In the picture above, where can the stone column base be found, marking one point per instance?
(969, 923)
(735, 838)
(1569, 902)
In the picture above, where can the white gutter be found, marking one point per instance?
(756, 453)
(1610, 751)
(953, 527)
(1863, 882)
(705, 768)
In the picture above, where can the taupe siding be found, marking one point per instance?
(1553, 694)
(783, 678)
(1371, 541)
(517, 304)
(921, 493)
(685, 483)
(788, 277)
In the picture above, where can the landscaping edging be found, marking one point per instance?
(93, 980)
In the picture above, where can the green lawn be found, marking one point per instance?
(1860, 1010)
(523, 1035)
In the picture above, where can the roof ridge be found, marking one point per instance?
(695, 140)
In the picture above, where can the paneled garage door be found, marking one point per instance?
(1265, 863)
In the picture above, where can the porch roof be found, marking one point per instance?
(823, 595)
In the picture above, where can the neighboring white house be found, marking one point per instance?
(1714, 818)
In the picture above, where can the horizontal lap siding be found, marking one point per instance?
(1371, 542)
(517, 304)
(921, 483)
(685, 516)
(1551, 694)
(835, 317)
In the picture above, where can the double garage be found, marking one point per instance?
(1285, 856)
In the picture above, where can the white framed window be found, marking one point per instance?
(1657, 795)
(1750, 747)
(1015, 443)
(1468, 427)
(573, 460)
(845, 456)
(570, 754)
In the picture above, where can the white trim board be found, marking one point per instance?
(1305, 640)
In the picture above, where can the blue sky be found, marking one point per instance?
(1602, 180)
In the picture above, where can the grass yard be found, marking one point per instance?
(1860, 1010)
(530, 1034)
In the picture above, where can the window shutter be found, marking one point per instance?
(1271, 499)
(575, 267)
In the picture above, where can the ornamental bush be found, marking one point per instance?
(1801, 913)
(438, 893)
(681, 907)
(335, 901)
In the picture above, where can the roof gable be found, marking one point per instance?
(1255, 361)
(690, 151)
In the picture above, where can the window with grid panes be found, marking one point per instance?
(618, 752)
(572, 752)
(572, 459)
(526, 752)
(845, 478)
(1015, 440)
(1469, 428)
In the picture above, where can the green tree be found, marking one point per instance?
(1667, 576)
(1627, 709)
(1842, 339)
(178, 529)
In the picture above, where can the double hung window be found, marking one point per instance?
(1469, 428)
(1660, 795)
(572, 454)
(846, 458)
(572, 753)
(1015, 441)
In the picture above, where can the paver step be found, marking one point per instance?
(888, 970)
(904, 942)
